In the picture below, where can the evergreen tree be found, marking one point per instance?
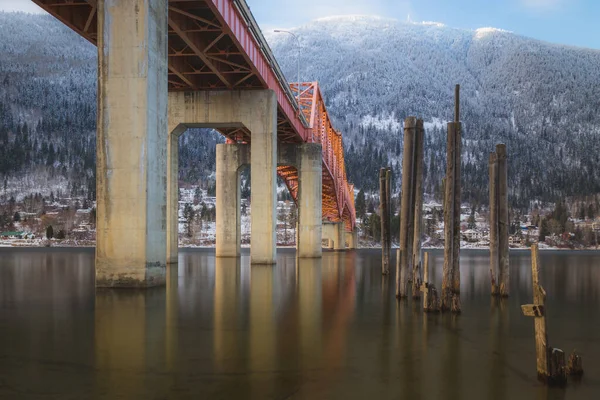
(49, 232)
(189, 214)
(360, 204)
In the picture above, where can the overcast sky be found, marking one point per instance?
(574, 22)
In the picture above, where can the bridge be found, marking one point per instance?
(167, 65)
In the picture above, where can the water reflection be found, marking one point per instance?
(314, 328)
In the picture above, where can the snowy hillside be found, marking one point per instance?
(539, 98)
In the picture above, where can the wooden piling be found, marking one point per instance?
(402, 263)
(503, 260)
(425, 280)
(452, 210)
(448, 221)
(385, 222)
(388, 195)
(493, 217)
(431, 301)
(550, 362)
(455, 307)
(418, 210)
(575, 365)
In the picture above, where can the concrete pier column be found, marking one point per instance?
(310, 167)
(335, 232)
(131, 143)
(340, 236)
(263, 164)
(230, 157)
(173, 198)
(352, 239)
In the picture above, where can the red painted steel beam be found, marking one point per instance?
(244, 32)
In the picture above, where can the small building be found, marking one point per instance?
(471, 235)
(12, 235)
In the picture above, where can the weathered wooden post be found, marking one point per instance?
(431, 301)
(493, 217)
(418, 209)
(457, 212)
(385, 222)
(402, 263)
(452, 202)
(388, 195)
(550, 362)
(503, 261)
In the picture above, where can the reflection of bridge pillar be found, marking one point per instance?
(262, 320)
(352, 239)
(131, 144)
(255, 110)
(335, 232)
(129, 329)
(228, 310)
(230, 157)
(311, 304)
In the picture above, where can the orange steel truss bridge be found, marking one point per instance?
(217, 45)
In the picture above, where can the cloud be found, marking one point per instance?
(297, 12)
(20, 5)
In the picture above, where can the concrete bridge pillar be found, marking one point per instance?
(131, 143)
(335, 232)
(230, 157)
(310, 167)
(173, 197)
(255, 110)
(352, 239)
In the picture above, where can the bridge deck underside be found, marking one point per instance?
(216, 45)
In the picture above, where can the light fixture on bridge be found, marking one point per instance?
(298, 76)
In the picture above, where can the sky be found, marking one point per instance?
(572, 22)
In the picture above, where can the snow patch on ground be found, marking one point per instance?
(382, 122)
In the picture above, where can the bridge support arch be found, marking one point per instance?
(255, 110)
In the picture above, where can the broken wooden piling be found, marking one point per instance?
(431, 301)
(388, 196)
(403, 260)
(418, 209)
(493, 216)
(385, 221)
(550, 362)
(503, 261)
(452, 203)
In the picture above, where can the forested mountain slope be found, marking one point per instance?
(541, 99)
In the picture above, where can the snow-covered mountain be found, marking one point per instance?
(542, 99)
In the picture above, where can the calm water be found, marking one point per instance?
(327, 329)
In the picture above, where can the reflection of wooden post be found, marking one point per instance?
(418, 209)
(503, 275)
(383, 208)
(407, 201)
(550, 362)
(493, 214)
